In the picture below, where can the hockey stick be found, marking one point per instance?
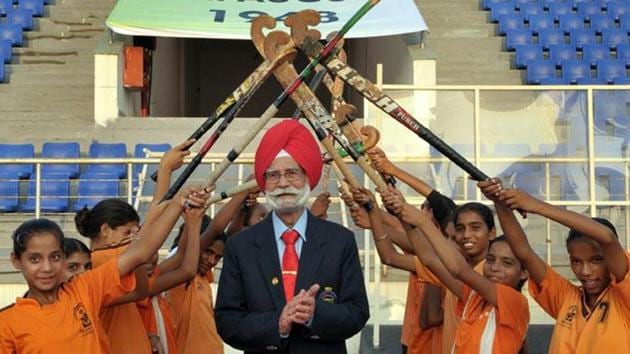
(306, 40)
(287, 55)
(273, 109)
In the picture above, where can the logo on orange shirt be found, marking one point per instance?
(568, 318)
(81, 314)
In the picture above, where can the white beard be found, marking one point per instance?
(287, 205)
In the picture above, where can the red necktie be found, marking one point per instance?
(289, 263)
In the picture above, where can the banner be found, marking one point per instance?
(230, 19)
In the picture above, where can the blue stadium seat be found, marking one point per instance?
(9, 188)
(553, 81)
(100, 150)
(591, 53)
(539, 22)
(530, 9)
(525, 53)
(559, 8)
(623, 53)
(54, 194)
(587, 9)
(624, 21)
(613, 37)
(139, 152)
(581, 37)
(551, 36)
(36, 6)
(560, 52)
(510, 22)
(613, 181)
(512, 150)
(5, 5)
(6, 53)
(517, 37)
(9, 151)
(601, 22)
(13, 33)
(501, 8)
(617, 9)
(21, 17)
(590, 81)
(572, 70)
(621, 81)
(61, 150)
(609, 69)
(569, 22)
(540, 69)
(486, 4)
(95, 187)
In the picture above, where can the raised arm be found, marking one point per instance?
(383, 165)
(170, 162)
(613, 251)
(152, 236)
(319, 208)
(384, 246)
(516, 237)
(221, 220)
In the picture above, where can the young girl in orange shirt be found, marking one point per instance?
(55, 317)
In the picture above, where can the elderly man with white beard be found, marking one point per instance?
(291, 283)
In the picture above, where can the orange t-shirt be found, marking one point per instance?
(410, 325)
(195, 329)
(449, 304)
(69, 325)
(421, 341)
(149, 314)
(485, 328)
(579, 330)
(122, 323)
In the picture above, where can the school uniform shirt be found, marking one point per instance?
(122, 323)
(69, 325)
(195, 328)
(412, 309)
(486, 328)
(156, 315)
(420, 341)
(449, 304)
(605, 329)
(425, 276)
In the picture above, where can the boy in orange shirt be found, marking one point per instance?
(56, 317)
(593, 317)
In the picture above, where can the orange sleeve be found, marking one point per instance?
(105, 283)
(424, 274)
(7, 341)
(552, 292)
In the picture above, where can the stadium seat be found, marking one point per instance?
(591, 53)
(61, 150)
(590, 81)
(572, 70)
(13, 33)
(517, 37)
(9, 187)
(530, 9)
(36, 6)
(539, 22)
(501, 8)
(623, 53)
(54, 194)
(551, 36)
(553, 81)
(5, 5)
(95, 187)
(100, 150)
(621, 81)
(540, 69)
(618, 9)
(560, 52)
(600, 22)
(613, 181)
(21, 17)
(139, 152)
(559, 8)
(570, 22)
(510, 22)
(486, 4)
(613, 37)
(581, 37)
(624, 21)
(587, 9)
(6, 52)
(11, 151)
(525, 53)
(609, 69)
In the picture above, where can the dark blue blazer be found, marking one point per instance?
(251, 296)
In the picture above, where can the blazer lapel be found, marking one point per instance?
(311, 255)
(269, 263)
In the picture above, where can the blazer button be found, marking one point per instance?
(272, 347)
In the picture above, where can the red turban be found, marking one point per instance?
(292, 137)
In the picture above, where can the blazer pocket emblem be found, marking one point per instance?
(328, 295)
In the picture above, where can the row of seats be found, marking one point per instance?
(569, 22)
(558, 53)
(614, 9)
(98, 182)
(610, 38)
(607, 71)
